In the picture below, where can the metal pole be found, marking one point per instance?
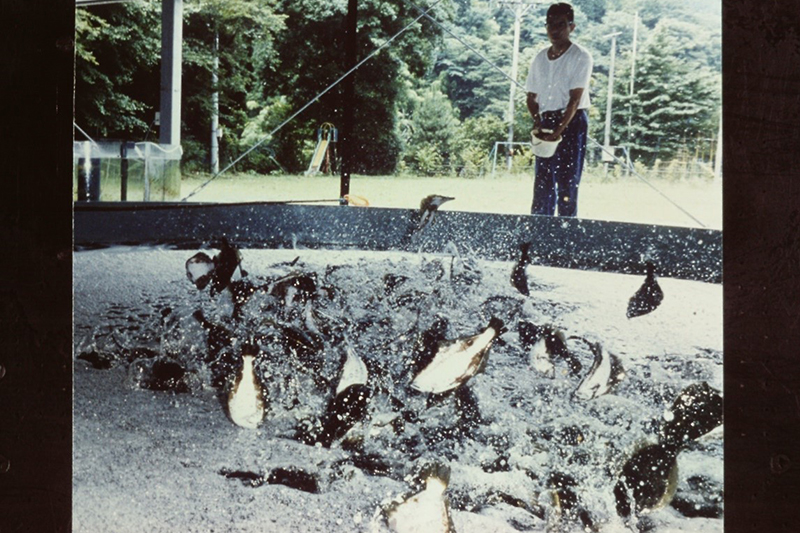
(494, 158)
(123, 171)
(511, 103)
(607, 134)
(146, 196)
(171, 58)
(520, 8)
(94, 180)
(215, 107)
(633, 72)
(346, 145)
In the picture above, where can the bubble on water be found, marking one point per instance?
(383, 329)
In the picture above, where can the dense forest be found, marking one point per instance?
(434, 100)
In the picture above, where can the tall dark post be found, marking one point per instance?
(171, 59)
(169, 175)
(346, 146)
(123, 171)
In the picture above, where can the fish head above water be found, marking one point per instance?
(199, 269)
(434, 201)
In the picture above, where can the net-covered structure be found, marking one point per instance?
(110, 170)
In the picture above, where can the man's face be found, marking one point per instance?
(559, 28)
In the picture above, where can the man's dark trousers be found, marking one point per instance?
(561, 173)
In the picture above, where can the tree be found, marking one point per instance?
(475, 139)
(473, 85)
(247, 31)
(270, 69)
(595, 10)
(116, 69)
(433, 128)
(117, 88)
(675, 101)
(312, 59)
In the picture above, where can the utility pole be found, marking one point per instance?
(215, 107)
(519, 9)
(346, 140)
(633, 74)
(171, 58)
(168, 176)
(607, 136)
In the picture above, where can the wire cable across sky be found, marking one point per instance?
(308, 104)
(425, 13)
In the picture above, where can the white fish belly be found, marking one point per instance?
(197, 270)
(452, 365)
(596, 383)
(245, 406)
(540, 359)
(423, 513)
(354, 373)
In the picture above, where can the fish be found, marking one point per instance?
(350, 400)
(428, 207)
(98, 360)
(456, 361)
(648, 297)
(199, 268)
(246, 399)
(343, 412)
(696, 411)
(296, 287)
(540, 359)
(519, 278)
(218, 271)
(428, 342)
(494, 497)
(247, 478)
(391, 282)
(425, 510)
(354, 372)
(295, 478)
(648, 480)
(566, 503)
(547, 344)
(225, 264)
(161, 375)
(605, 373)
(220, 358)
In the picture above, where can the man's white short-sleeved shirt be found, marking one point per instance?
(551, 80)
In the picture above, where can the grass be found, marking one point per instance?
(621, 199)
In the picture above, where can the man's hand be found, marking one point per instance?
(545, 136)
(549, 137)
(537, 124)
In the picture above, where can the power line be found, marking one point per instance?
(89, 3)
(423, 13)
(635, 173)
(462, 41)
(618, 160)
(314, 99)
(84, 133)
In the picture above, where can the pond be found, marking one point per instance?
(521, 450)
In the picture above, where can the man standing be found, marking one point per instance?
(558, 100)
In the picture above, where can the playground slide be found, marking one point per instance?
(319, 156)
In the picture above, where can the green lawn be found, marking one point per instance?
(624, 199)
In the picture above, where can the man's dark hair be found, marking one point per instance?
(561, 9)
